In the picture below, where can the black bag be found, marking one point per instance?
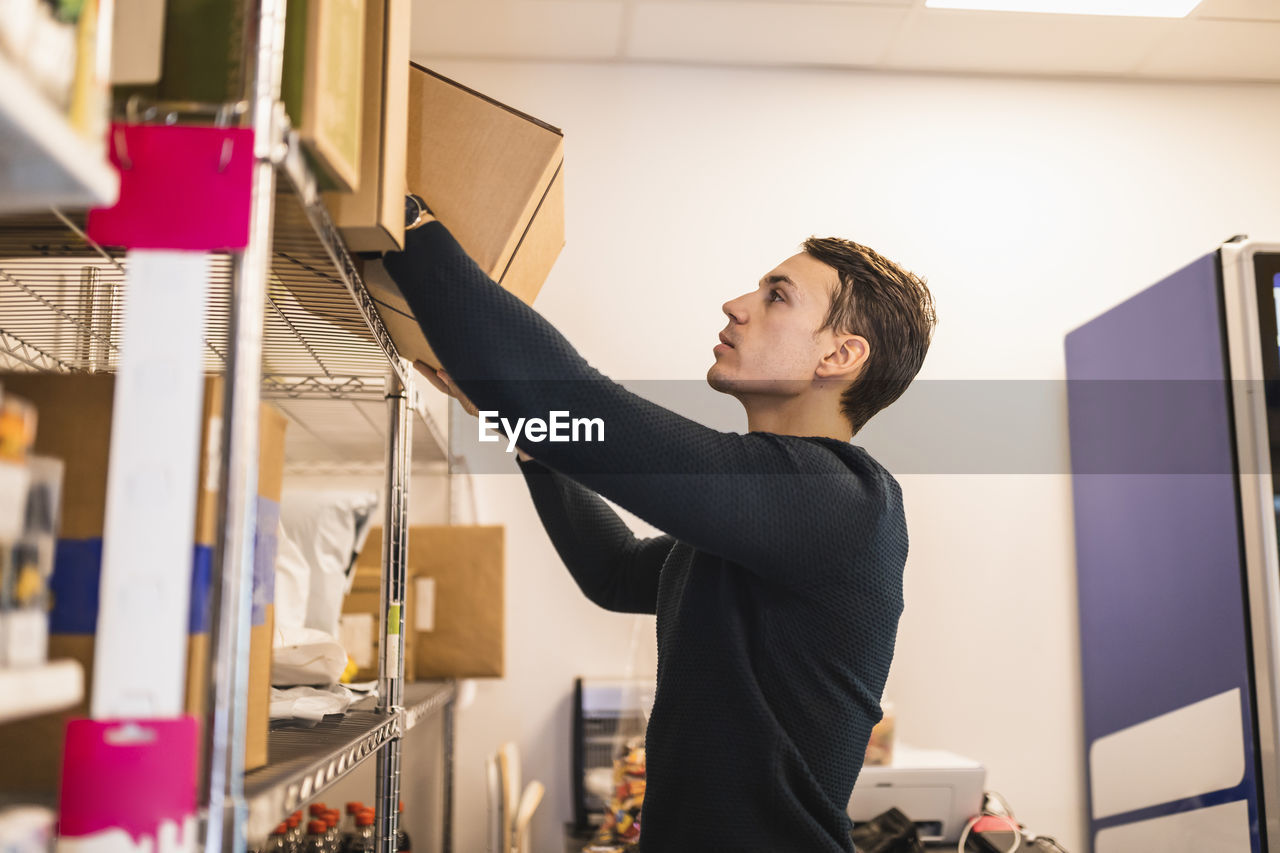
(891, 832)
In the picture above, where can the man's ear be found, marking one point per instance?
(846, 358)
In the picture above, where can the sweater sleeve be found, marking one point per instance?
(613, 568)
(776, 504)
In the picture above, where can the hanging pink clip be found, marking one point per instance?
(184, 187)
(135, 778)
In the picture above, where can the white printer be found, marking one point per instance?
(939, 791)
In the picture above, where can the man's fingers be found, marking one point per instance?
(430, 373)
(443, 383)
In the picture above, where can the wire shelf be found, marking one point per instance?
(61, 307)
(62, 299)
(302, 762)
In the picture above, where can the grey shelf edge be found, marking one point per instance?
(303, 762)
(294, 167)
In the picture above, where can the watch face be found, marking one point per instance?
(413, 210)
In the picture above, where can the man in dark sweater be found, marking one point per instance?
(778, 581)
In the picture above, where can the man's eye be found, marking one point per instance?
(776, 296)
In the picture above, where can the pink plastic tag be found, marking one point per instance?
(132, 776)
(181, 187)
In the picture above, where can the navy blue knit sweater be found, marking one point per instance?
(777, 585)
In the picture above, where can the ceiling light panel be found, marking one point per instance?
(1126, 8)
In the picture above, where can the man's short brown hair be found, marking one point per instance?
(890, 307)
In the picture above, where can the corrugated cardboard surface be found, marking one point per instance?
(467, 564)
(543, 240)
(482, 166)
(494, 177)
(271, 436)
(74, 424)
(372, 218)
(365, 597)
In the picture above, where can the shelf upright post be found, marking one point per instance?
(450, 734)
(226, 807)
(395, 545)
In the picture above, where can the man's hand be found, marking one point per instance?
(441, 381)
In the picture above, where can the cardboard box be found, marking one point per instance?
(372, 218)
(361, 623)
(456, 615)
(74, 425)
(494, 176)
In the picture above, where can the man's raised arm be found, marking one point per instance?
(735, 495)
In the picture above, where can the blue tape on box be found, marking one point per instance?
(77, 575)
(265, 544)
(198, 615)
(77, 569)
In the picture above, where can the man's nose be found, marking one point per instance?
(735, 309)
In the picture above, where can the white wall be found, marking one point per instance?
(1030, 206)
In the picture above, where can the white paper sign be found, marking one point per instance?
(148, 532)
(424, 617)
(356, 636)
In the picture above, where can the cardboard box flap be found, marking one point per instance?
(539, 245)
(544, 125)
(482, 170)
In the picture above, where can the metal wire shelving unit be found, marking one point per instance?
(61, 299)
(60, 311)
(352, 401)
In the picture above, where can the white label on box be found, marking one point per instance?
(14, 481)
(424, 617)
(355, 632)
(393, 654)
(140, 657)
(213, 455)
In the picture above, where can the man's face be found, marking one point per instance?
(773, 344)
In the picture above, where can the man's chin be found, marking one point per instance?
(718, 381)
(740, 388)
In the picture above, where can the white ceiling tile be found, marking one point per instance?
(552, 29)
(1220, 50)
(1001, 42)
(1251, 10)
(763, 33)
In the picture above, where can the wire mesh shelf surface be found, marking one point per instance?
(62, 303)
(302, 762)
